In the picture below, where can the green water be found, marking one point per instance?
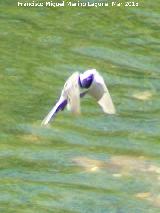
(92, 163)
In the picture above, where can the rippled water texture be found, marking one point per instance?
(92, 163)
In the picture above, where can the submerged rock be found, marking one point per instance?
(118, 165)
(143, 96)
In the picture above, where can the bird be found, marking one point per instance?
(77, 86)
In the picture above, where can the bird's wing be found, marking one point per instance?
(72, 93)
(70, 97)
(60, 105)
(99, 91)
